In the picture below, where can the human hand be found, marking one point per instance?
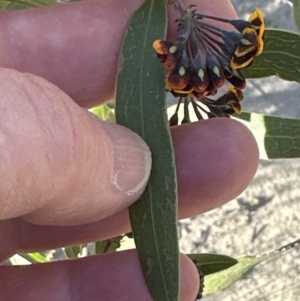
(57, 160)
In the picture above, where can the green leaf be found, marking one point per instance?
(212, 263)
(296, 7)
(35, 257)
(141, 106)
(73, 251)
(104, 112)
(38, 257)
(277, 137)
(280, 57)
(107, 246)
(23, 4)
(224, 279)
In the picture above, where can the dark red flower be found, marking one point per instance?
(204, 56)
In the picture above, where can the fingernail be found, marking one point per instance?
(132, 160)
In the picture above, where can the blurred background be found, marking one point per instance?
(267, 215)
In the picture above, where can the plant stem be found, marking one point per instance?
(179, 5)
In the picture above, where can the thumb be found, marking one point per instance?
(59, 164)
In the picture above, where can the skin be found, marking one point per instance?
(67, 178)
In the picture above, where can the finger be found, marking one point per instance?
(79, 48)
(60, 164)
(104, 277)
(216, 160)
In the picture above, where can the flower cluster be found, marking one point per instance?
(204, 56)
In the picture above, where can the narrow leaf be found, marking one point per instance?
(141, 106)
(223, 279)
(35, 257)
(277, 137)
(73, 251)
(38, 257)
(212, 263)
(280, 57)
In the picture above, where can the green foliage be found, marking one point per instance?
(140, 106)
(105, 112)
(109, 245)
(225, 278)
(277, 137)
(212, 263)
(36, 257)
(73, 251)
(280, 57)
